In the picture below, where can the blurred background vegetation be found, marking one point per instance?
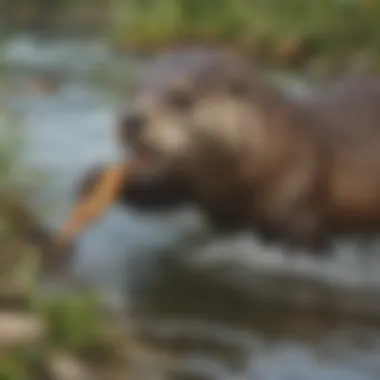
(41, 337)
(316, 35)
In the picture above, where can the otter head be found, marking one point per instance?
(187, 104)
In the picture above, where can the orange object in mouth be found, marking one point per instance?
(93, 206)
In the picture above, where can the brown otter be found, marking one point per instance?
(208, 116)
(251, 157)
(347, 114)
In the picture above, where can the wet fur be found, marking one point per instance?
(297, 172)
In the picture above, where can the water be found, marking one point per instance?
(71, 128)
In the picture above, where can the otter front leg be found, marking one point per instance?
(290, 207)
(305, 231)
(296, 232)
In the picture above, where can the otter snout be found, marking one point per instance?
(132, 126)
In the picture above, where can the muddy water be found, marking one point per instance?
(199, 305)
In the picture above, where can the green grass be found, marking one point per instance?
(285, 33)
(323, 34)
(74, 322)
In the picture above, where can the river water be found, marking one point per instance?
(68, 129)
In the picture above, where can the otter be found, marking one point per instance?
(347, 114)
(242, 147)
(204, 127)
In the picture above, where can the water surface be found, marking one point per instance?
(69, 128)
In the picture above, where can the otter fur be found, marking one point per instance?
(205, 127)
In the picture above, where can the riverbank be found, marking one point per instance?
(63, 335)
(321, 38)
(32, 327)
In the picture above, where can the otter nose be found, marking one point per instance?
(133, 124)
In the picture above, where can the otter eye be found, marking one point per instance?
(180, 100)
